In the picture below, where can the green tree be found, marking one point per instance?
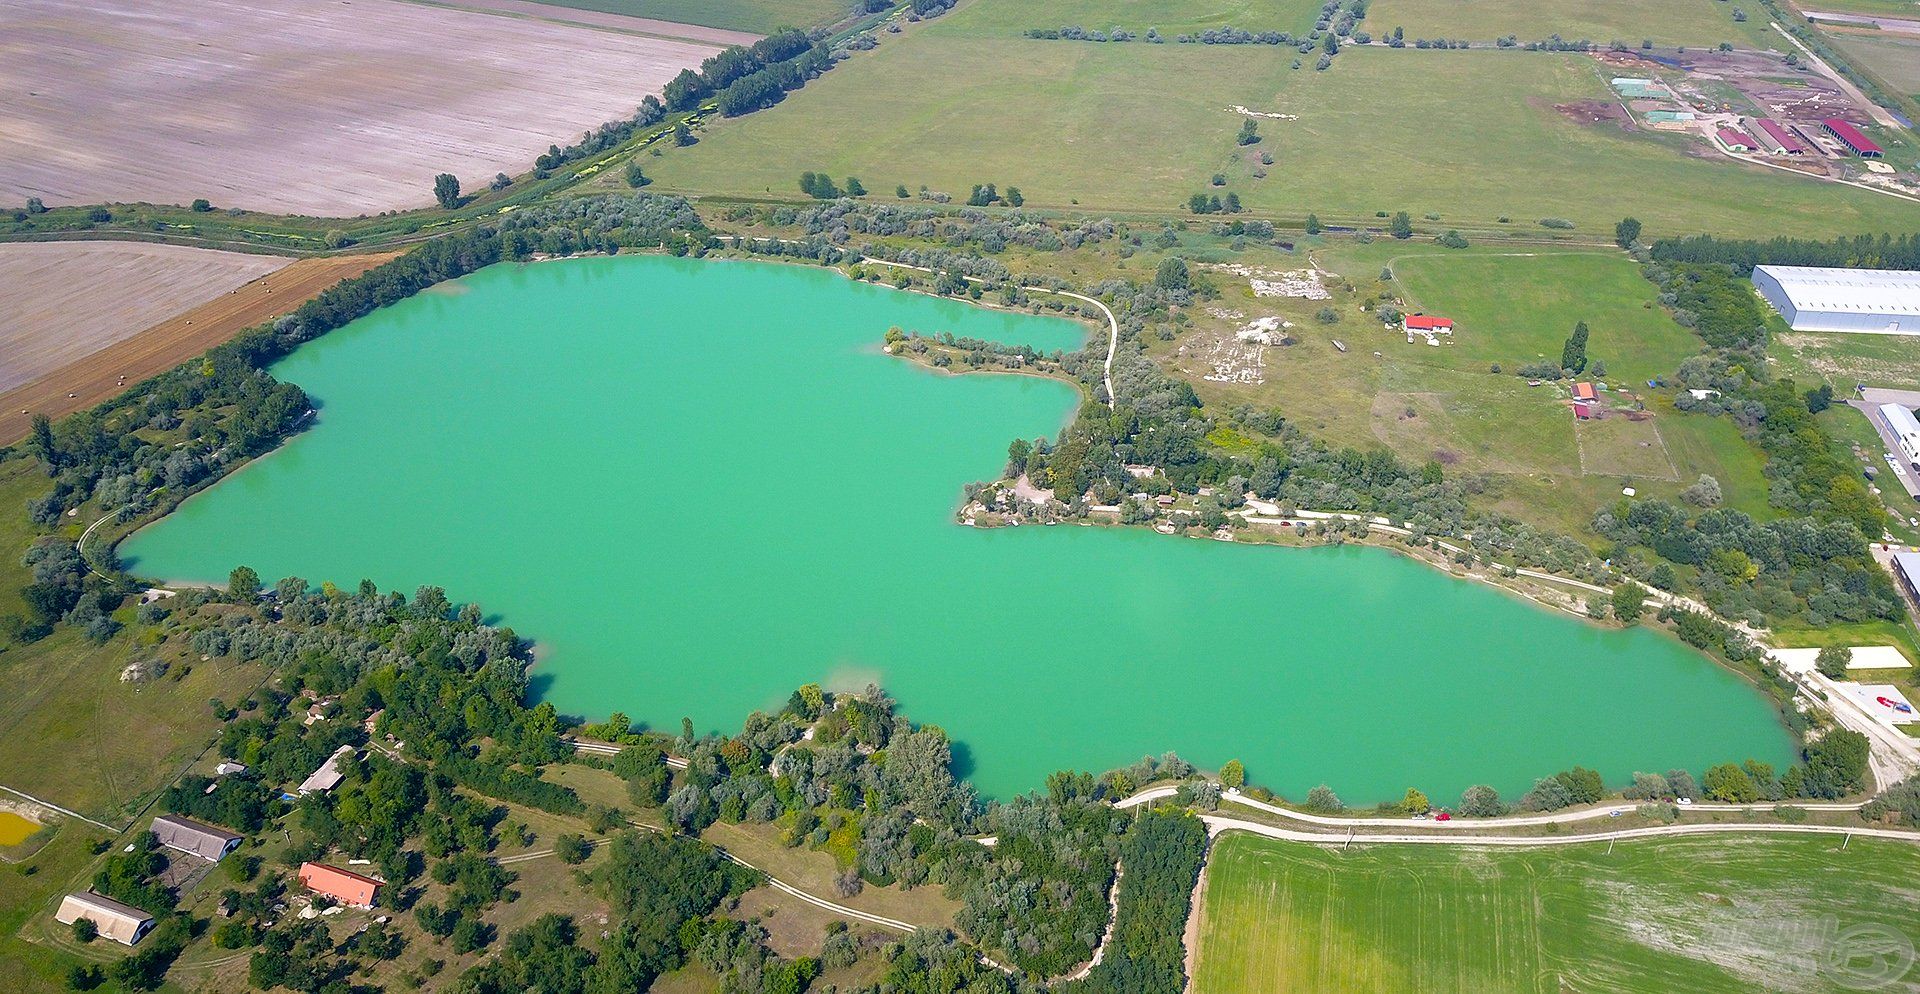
(1481, 801)
(202, 205)
(572, 849)
(1173, 274)
(1731, 784)
(446, 189)
(1626, 232)
(1233, 774)
(854, 189)
(682, 135)
(243, 582)
(1249, 132)
(635, 177)
(1832, 661)
(1663, 577)
(1401, 226)
(84, 930)
(1313, 224)
(1015, 197)
(1584, 786)
(1323, 800)
(901, 191)
(36, 206)
(42, 445)
(1573, 355)
(1415, 802)
(1629, 602)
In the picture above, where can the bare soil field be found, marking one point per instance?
(339, 108)
(92, 378)
(60, 301)
(602, 19)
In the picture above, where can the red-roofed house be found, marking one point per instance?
(1584, 391)
(1850, 136)
(344, 886)
(1422, 324)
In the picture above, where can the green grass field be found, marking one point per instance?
(1666, 22)
(72, 733)
(1520, 309)
(1171, 17)
(1445, 403)
(1706, 915)
(1470, 136)
(757, 16)
(1893, 58)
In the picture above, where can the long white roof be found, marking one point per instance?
(1900, 419)
(1859, 291)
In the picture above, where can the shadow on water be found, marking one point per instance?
(538, 684)
(963, 761)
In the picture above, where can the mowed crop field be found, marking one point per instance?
(1471, 136)
(1666, 22)
(1735, 914)
(302, 108)
(60, 301)
(758, 16)
(158, 345)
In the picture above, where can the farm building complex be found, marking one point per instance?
(1855, 300)
(123, 923)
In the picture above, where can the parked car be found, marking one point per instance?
(1443, 816)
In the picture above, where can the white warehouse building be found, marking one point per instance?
(1875, 301)
(1905, 429)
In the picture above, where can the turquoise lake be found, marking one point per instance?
(697, 485)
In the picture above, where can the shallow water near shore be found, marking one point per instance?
(698, 485)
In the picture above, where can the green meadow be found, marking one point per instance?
(1171, 17)
(758, 16)
(1470, 136)
(1446, 403)
(1665, 22)
(1715, 915)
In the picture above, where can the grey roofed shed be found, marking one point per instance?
(195, 838)
(123, 923)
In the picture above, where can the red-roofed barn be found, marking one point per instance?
(1850, 136)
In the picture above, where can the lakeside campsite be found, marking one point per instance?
(959, 497)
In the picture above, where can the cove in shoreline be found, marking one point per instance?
(698, 485)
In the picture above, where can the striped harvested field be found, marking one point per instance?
(174, 333)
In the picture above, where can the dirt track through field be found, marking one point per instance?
(331, 108)
(168, 343)
(60, 301)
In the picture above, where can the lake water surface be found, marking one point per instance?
(700, 484)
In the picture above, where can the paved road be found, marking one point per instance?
(1891, 25)
(1458, 825)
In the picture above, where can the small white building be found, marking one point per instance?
(1905, 429)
